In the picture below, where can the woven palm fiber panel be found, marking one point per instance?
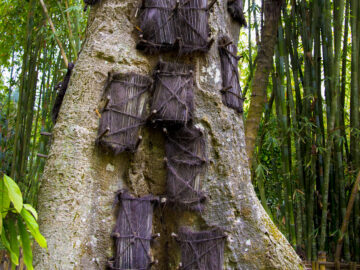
(174, 24)
(186, 160)
(90, 3)
(236, 10)
(124, 112)
(203, 250)
(172, 102)
(231, 91)
(62, 91)
(133, 232)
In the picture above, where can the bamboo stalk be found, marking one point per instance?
(281, 112)
(334, 62)
(19, 115)
(341, 141)
(345, 223)
(66, 62)
(71, 36)
(259, 179)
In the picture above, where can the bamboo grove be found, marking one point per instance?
(307, 155)
(31, 66)
(304, 124)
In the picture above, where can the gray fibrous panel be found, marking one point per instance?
(133, 232)
(174, 25)
(125, 99)
(201, 250)
(231, 91)
(236, 10)
(157, 25)
(172, 102)
(186, 161)
(90, 3)
(192, 26)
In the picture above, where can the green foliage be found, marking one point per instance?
(30, 65)
(14, 193)
(319, 77)
(13, 231)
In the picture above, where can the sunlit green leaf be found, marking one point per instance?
(14, 193)
(33, 227)
(31, 210)
(4, 198)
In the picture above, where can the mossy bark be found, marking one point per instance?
(80, 181)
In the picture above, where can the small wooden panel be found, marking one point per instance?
(201, 250)
(62, 87)
(236, 10)
(157, 26)
(172, 103)
(186, 159)
(231, 91)
(174, 25)
(133, 232)
(125, 99)
(192, 26)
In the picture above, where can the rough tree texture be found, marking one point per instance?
(79, 181)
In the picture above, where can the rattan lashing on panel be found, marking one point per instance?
(202, 250)
(186, 161)
(133, 232)
(172, 102)
(231, 91)
(125, 96)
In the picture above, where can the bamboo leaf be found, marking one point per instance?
(5, 242)
(14, 193)
(14, 244)
(26, 245)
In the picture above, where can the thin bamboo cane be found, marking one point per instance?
(66, 62)
(333, 105)
(282, 120)
(71, 36)
(25, 63)
(345, 223)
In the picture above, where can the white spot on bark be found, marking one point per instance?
(211, 72)
(217, 75)
(110, 167)
(93, 241)
(248, 242)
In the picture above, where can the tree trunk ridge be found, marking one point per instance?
(80, 181)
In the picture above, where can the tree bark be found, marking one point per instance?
(79, 181)
(261, 76)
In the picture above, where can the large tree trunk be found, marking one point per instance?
(260, 81)
(79, 182)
